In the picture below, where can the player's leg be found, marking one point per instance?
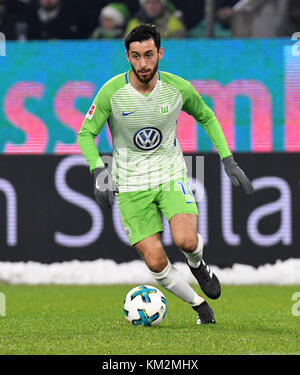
(151, 250)
(184, 232)
(178, 205)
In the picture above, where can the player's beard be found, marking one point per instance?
(146, 79)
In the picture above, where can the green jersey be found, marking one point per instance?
(146, 152)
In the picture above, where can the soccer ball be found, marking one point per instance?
(145, 305)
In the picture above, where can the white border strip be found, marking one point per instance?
(103, 271)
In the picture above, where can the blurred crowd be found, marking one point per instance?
(102, 19)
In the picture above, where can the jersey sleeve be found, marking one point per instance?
(94, 121)
(195, 106)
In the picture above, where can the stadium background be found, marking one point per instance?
(47, 210)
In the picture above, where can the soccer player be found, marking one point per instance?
(148, 173)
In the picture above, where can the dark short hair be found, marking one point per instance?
(144, 31)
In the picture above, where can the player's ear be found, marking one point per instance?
(127, 55)
(160, 53)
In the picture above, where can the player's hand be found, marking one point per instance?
(104, 187)
(237, 175)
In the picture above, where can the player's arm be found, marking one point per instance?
(95, 119)
(194, 105)
(93, 122)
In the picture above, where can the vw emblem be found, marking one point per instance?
(147, 138)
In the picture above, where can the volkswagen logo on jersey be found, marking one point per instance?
(147, 139)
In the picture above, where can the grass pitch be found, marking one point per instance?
(54, 319)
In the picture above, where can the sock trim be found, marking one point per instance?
(197, 300)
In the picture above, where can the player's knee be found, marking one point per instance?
(187, 243)
(157, 264)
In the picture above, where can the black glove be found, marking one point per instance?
(237, 175)
(104, 187)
